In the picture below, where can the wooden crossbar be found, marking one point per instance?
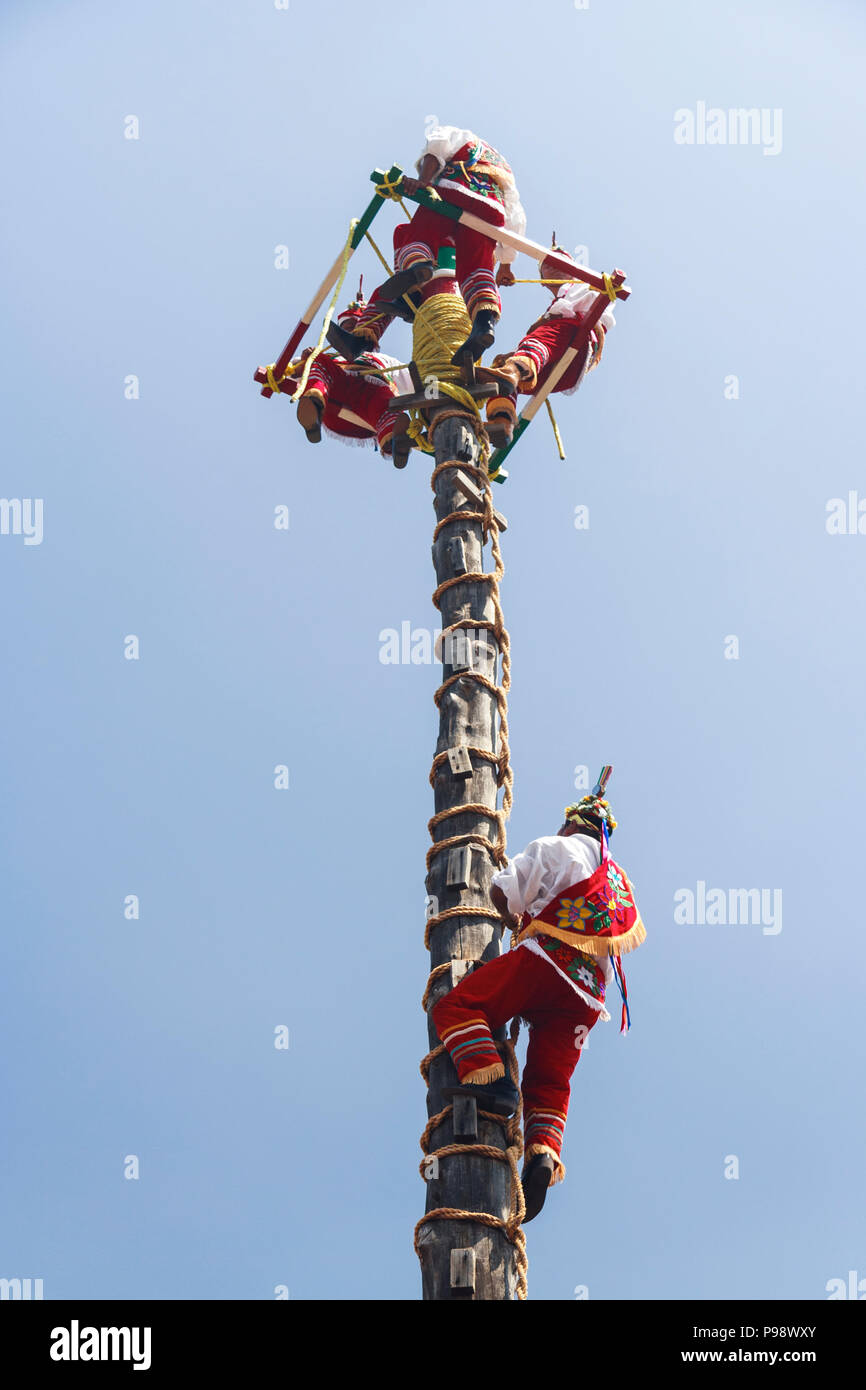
(352, 419)
(569, 269)
(535, 402)
(299, 333)
(480, 392)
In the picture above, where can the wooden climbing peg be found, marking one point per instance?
(460, 968)
(461, 656)
(459, 762)
(464, 484)
(468, 653)
(457, 555)
(464, 1118)
(459, 872)
(473, 492)
(462, 1273)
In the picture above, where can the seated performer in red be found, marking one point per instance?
(352, 404)
(574, 910)
(528, 367)
(474, 176)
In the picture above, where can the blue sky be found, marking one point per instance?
(154, 257)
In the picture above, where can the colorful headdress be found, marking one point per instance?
(594, 804)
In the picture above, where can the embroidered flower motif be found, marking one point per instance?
(598, 907)
(618, 885)
(577, 965)
(584, 971)
(573, 912)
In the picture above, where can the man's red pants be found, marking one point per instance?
(368, 397)
(420, 239)
(545, 344)
(520, 983)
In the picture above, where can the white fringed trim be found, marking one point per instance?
(349, 439)
(595, 1004)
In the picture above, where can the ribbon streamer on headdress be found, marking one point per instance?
(619, 976)
(603, 779)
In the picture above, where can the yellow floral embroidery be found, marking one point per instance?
(573, 912)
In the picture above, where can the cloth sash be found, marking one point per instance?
(598, 915)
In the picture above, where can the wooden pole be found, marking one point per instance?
(463, 1258)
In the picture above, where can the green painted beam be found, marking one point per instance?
(498, 458)
(376, 203)
(425, 197)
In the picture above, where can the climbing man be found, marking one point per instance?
(528, 367)
(574, 912)
(474, 176)
(352, 400)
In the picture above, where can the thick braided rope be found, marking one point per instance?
(477, 808)
(477, 752)
(434, 975)
(438, 918)
(440, 325)
(511, 1226)
(436, 1120)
